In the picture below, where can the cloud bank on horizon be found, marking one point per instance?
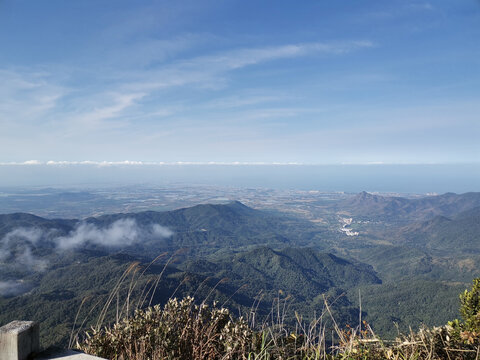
(239, 82)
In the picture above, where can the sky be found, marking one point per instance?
(305, 82)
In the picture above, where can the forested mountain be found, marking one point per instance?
(458, 234)
(203, 228)
(239, 281)
(241, 256)
(399, 208)
(301, 272)
(10, 222)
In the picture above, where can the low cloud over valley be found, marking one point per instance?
(123, 232)
(19, 248)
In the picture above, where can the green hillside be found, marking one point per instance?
(242, 257)
(459, 234)
(393, 208)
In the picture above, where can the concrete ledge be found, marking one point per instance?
(19, 340)
(65, 355)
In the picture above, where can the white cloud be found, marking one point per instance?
(208, 71)
(161, 231)
(142, 163)
(94, 163)
(123, 232)
(31, 235)
(32, 162)
(27, 238)
(242, 101)
(421, 6)
(16, 247)
(27, 95)
(244, 57)
(54, 112)
(13, 288)
(150, 51)
(119, 103)
(31, 261)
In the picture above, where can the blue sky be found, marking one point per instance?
(311, 82)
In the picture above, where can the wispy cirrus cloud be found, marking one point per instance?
(26, 95)
(42, 90)
(426, 6)
(208, 69)
(67, 112)
(240, 101)
(109, 115)
(244, 57)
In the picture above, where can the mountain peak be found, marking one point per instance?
(237, 204)
(365, 194)
(234, 205)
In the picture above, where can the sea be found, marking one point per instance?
(405, 178)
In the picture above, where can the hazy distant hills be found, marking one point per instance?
(9, 222)
(220, 225)
(201, 228)
(436, 237)
(231, 215)
(397, 208)
(458, 234)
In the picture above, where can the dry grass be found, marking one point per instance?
(183, 330)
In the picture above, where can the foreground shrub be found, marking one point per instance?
(468, 330)
(184, 330)
(181, 330)
(435, 343)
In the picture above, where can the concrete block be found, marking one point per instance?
(65, 355)
(19, 340)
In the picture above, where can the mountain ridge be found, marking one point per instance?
(448, 204)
